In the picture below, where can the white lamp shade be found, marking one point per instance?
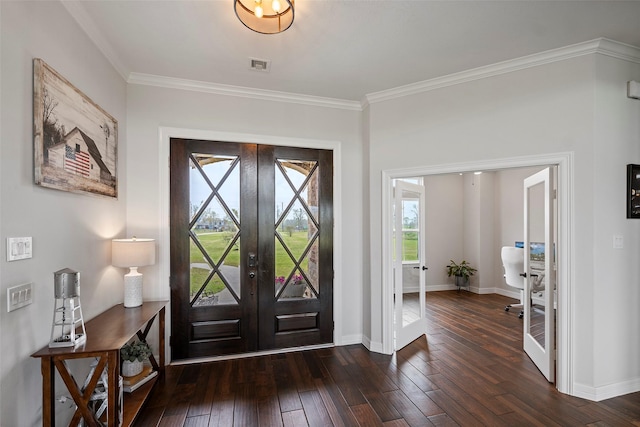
(133, 252)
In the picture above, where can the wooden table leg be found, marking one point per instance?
(48, 392)
(113, 378)
(161, 340)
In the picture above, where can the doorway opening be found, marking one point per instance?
(563, 163)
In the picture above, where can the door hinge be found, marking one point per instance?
(333, 325)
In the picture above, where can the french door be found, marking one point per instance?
(251, 247)
(539, 292)
(409, 249)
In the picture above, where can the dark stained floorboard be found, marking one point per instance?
(468, 370)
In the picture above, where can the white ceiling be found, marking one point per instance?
(343, 49)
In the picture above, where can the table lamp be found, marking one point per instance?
(133, 253)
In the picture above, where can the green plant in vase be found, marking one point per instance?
(461, 271)
(133, 356)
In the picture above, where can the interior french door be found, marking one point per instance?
(409, 236)
(539, 291)
(251, 247)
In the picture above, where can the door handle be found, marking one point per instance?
(525, 275)
(252, 274)
(423, 267)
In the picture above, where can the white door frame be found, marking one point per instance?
(566, 262)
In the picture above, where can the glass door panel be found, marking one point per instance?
(214, 230)
(296, 229)
(539, 301)
(409, 262)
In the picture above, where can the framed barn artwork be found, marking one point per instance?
(75, 140)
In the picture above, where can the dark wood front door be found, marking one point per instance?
(251, 247)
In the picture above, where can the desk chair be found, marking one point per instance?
(513, 263)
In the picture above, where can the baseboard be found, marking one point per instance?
(366, 342)
(350, 339)
(474, 289)
(375, 347)
(445, 287)
(597, 394)
(507, 293)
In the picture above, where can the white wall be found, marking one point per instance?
(478, 228)
(152, 108)
(464, 209)
(68, 230)
(550, 108)
(444, 210)
(616, 272)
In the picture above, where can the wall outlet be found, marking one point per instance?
(19, 296)
(19, 248)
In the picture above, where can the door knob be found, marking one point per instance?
(252, 274)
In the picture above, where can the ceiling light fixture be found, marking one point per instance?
(265, 16)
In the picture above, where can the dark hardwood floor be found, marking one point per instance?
(469, 370)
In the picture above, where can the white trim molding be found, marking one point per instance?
(608, 391)
(240, 91)
(600, 46)
(79, 14)
(566, 263)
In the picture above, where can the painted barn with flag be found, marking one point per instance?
(79, 155)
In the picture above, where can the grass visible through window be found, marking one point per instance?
(215, 243)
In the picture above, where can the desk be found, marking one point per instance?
(106, 334)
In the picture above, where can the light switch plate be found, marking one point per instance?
(19, 248)
(618, 242)
(19, 296)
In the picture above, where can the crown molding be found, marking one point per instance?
(240, 91)
(78, 12)
(598, 46)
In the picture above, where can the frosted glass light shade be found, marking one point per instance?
(133, 252)
(265, 16)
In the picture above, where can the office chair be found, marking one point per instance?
(513, 264)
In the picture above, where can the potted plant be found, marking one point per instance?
(133, 356)
(461, 272)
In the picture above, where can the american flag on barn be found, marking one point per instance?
(79, 155)
(76, 161)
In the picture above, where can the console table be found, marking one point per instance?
(106, 334)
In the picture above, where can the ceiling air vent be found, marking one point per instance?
(260, 64)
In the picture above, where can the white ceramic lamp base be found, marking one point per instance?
(133, 288)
